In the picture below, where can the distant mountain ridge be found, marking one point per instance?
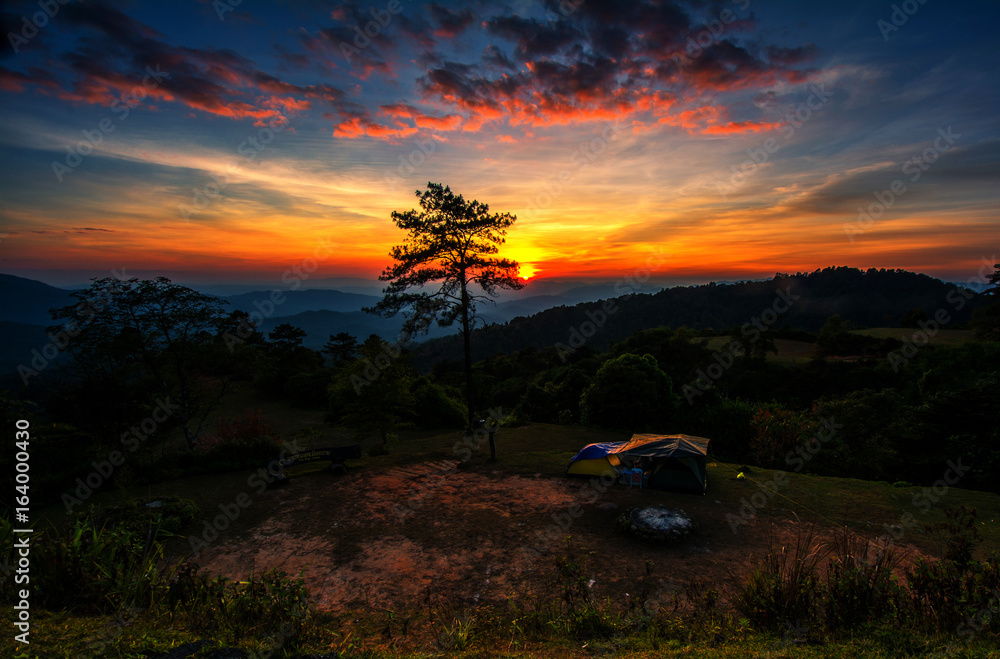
(867, 298)
(28, 301)
(291, 303)
(872, 298)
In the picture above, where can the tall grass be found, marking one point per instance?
(784, 588)
(96, 569)
(861, 585)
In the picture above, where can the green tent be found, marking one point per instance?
(671, 462)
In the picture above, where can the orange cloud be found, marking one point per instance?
(446, 123)
(714, 120)
(741, 127)
(357, 127)
(349, 129)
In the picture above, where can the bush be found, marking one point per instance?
(860, 585)
(776, 432)
(237, 442)
(726, 422)
(947, 593)
(264, 605)
(158, 516)
(307, 390)
(434, 408)
(784, 588)
(95, 569)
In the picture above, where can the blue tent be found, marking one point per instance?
(671, 462)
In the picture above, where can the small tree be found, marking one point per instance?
(986, 319)
(153, 334)
(375, 390)
(287, 338)
(341, 347)
(451, 241)
(994, 281)
(630, 392)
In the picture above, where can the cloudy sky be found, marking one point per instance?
(232, 140)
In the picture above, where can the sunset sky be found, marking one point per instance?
(225, 141)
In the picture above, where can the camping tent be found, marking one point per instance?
(595, 460)
(672, 462)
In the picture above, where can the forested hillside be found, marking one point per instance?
(869, 298)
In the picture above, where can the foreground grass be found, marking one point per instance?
(544, 450)
(484, 634)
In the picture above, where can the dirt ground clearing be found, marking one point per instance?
(430, 532)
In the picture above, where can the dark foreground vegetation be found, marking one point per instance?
(144, 400)
(103, 587)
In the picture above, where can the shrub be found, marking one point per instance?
(783, 588)
(249, 440)
(959, 532)
(776, 432)
(947, 593)
(95, 569)
(434, 408)
(860, 585)
(159, 516)
(264, 605)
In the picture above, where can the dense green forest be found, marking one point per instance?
(160, 357)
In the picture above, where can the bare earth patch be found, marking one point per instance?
(399, 539)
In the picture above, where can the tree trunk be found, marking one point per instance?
(467, 344)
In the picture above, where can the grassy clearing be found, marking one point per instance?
(543, 451)
(944, 337)
(789, 351)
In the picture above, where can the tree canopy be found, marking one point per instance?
(151, 338)
(630, 392)
(453, 243)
